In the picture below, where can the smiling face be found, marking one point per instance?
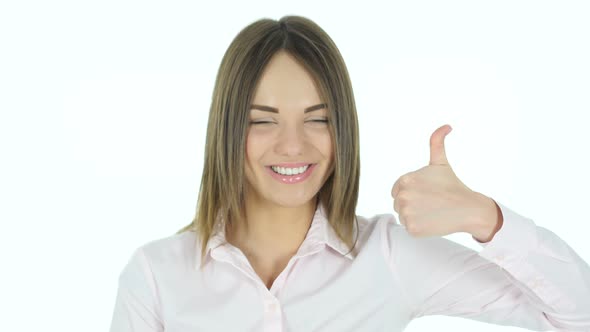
(289, 153)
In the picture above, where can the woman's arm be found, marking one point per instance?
(526, 276)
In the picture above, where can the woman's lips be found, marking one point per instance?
(292, 165)
(291, 179)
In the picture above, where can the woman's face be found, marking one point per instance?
(289, 148)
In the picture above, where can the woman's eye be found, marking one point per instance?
(267, 122)
(260, 122)
(320, 121)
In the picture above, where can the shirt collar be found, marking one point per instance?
(320, 232)
(329, 234)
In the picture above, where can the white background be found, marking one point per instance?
(104, 108)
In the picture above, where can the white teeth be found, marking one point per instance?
(289, 171)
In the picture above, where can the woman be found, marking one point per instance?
(276, 245)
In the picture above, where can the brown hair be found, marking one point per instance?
(222, 183)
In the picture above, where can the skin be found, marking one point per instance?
(431, 201)
(278, 215)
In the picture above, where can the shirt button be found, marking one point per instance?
(272, 307)
(500, 258)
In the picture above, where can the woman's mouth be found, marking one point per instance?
(289, 171)
(291, 175)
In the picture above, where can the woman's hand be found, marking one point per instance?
(432, 201)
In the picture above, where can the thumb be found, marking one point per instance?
(438, 155)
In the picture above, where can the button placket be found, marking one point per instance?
(271, 303)
(272, 307)
(273, 315)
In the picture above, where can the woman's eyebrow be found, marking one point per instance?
(276, 110)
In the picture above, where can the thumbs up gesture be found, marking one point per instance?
(432, 201)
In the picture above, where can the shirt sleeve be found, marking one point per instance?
(526, 276)
(136, 306)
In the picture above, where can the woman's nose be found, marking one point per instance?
(290, 141)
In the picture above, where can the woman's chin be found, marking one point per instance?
(291, 202)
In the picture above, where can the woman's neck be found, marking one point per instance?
(271, 231)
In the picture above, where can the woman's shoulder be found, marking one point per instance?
(378, 223)
(392, 236)
(179, 248)
(400, 246)
(381, 228)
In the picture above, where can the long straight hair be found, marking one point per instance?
(221, 193)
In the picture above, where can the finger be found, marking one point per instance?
(396, 205)
(401, 218)
(402, 182)
(438, 155)
(395, 189)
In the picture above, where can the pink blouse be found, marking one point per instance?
(525, 276)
